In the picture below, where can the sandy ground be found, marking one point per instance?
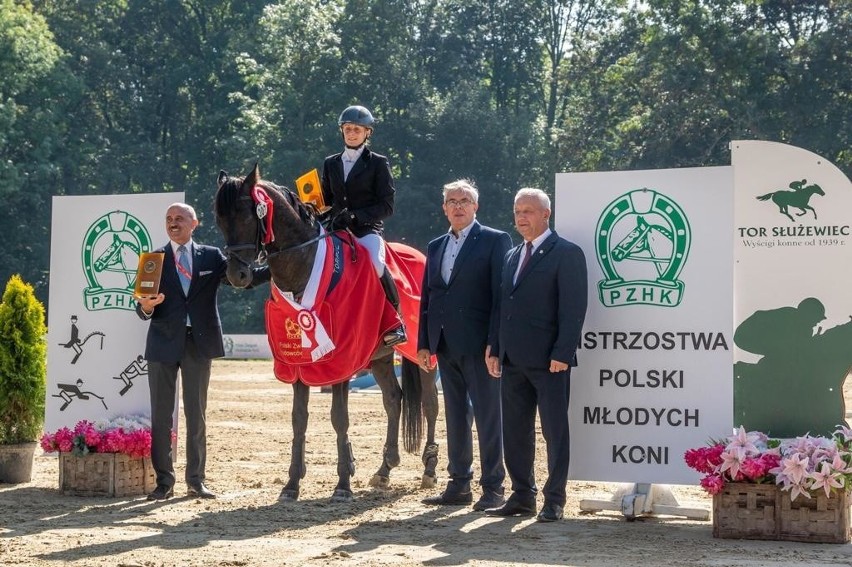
(249, 434)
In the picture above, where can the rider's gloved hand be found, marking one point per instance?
(343, 219)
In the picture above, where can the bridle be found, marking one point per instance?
(264, 213)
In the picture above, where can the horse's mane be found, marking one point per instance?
(226, 196)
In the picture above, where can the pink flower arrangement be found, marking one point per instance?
(130, 435)
(801, 465)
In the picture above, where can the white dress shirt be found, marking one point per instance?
(451, 250)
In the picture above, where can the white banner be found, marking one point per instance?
(654, 370)
(95, 364)
(793, 251)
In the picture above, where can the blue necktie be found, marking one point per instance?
(183, 260)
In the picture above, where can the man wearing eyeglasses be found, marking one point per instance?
(461, 286)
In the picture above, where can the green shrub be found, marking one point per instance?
(23, 363)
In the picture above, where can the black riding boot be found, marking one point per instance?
(395, 336)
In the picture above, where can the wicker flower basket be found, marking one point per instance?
(105, 474)
(764, 511)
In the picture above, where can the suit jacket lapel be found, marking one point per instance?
(469, 243)
(435, 277)
(537, 256)
(514, 260)
(359, 166)
(336, 170)
(170, 271)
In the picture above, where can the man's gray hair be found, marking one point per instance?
(535, 194)
(187, 208)
(464, 185)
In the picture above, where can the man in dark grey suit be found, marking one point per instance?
(185, 333)
(459, 294)
(542, 308)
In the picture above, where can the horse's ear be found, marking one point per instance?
(223, 177)
(253, 177)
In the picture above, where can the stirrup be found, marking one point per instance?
(395, 337)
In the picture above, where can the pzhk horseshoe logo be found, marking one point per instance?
(642, 241)
(111, 250)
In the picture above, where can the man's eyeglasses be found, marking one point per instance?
(463, 203)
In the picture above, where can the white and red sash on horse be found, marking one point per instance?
(339, 322)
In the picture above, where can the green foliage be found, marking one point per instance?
(119, 96)
(23, 365)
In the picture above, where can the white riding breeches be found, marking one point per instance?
(375, 245)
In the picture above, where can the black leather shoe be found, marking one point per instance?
(161, 493)
(395, 337)
(550, 513)
(489, 500)
(199, 491)
(512, 508)
(450, 498)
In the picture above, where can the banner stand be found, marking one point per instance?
(643, 499)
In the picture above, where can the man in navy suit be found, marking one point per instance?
(541, 312)
(459, 294)
(185, 333)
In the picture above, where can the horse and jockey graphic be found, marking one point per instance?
(70, 392)
(796, 386)
(76, 344)
(797, 198)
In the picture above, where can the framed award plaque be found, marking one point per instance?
(148, 274)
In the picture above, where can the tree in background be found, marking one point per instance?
(32, 127)
(23, 363)
(152, 96)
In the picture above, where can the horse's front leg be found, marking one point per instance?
(301, 396)
(345, 458)
(392, 400)
(430, 409)
(811, 209)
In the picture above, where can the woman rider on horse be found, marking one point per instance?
(358, 185)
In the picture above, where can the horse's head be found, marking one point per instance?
(815, 189)
(236, 217)
(260, 221)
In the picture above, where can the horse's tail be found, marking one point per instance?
(412, 412)
(765, 197)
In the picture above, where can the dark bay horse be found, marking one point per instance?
(797, 198)
(273, 227)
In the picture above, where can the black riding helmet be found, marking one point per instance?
(357, 115)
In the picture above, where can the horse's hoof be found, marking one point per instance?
(379, 481)
(288, 495)
(341, 495)
(429, 481)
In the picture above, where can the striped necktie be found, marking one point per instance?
(184, 271)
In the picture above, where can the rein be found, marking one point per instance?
(264, 211)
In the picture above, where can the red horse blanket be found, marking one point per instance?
(339, 322)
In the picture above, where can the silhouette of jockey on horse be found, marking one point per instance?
(68, 392)
(797, 198)
(797, 386)
(75, 343)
